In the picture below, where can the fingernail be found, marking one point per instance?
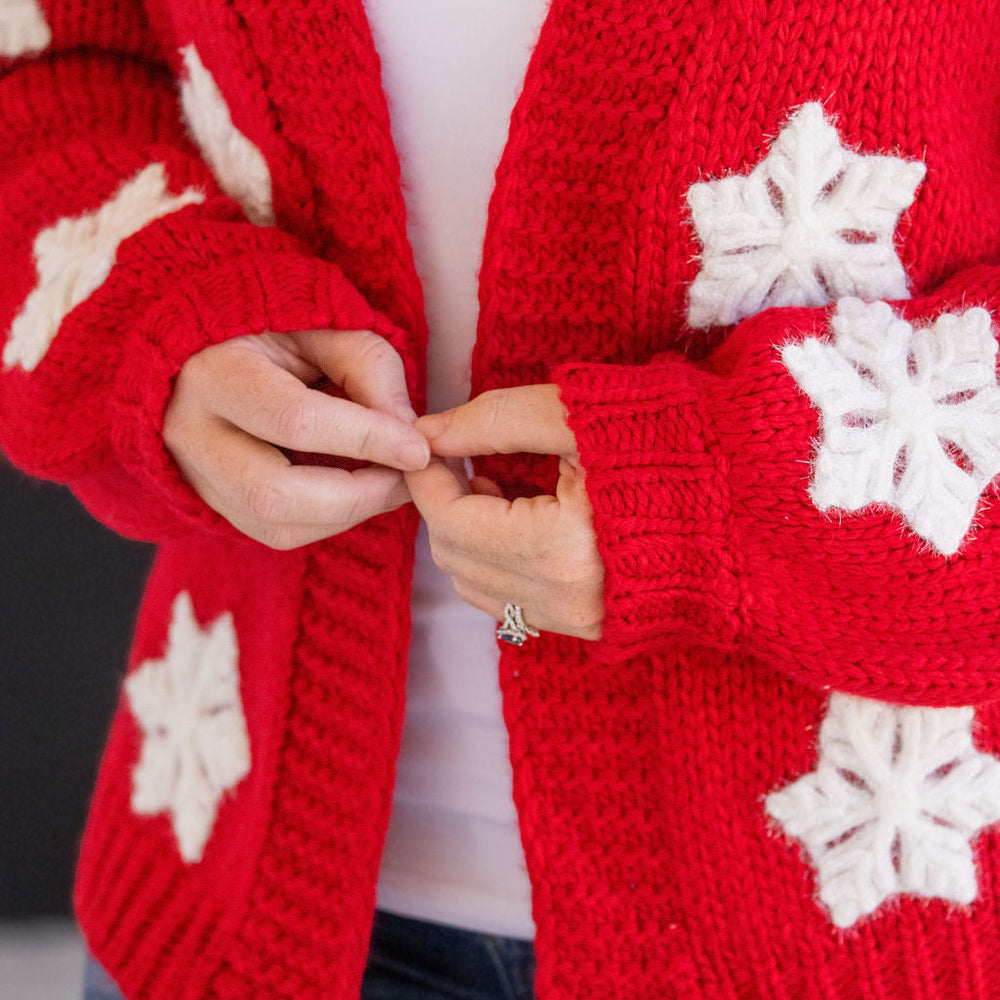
(413, 455)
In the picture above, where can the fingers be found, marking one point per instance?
(558, 591)
(457, 517)
(235, 404)
(282, 505)
(436, 486)
(243, 385)
(538, 552)
(365, 364)
(527, 418)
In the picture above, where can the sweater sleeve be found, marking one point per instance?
(121, 258)
(819, 493)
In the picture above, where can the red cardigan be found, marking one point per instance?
(670, 777)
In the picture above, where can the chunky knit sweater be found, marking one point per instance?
(756, 244)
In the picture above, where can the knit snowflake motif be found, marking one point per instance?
(910, 417)
(74, 257)
(897, 795)
(811, 223)
(195, 745)
(237, 164)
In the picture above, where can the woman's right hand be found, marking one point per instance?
(237, 403)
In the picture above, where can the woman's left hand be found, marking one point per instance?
(539, 553)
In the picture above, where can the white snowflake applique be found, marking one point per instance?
(896, 798)
(194, 744)
(812, 222)
(74, 257)
(910, 417)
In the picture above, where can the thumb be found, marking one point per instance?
(527, 418)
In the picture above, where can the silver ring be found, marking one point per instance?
(512, 629)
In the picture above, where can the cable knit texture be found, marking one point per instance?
(689, 192)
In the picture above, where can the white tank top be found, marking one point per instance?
(452, 70)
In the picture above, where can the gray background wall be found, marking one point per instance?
(69, 591)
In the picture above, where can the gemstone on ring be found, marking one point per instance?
(512, 629)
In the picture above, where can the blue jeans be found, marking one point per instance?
(97, 984)
(414, 960)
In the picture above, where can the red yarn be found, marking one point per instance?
(733, 605)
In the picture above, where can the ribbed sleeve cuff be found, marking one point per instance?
(660, 504)
(266, 291)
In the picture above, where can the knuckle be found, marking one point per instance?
(446, 561)
(356, 510)
(494, 406)
(368, 356)
(358, 503)
(442, 552)
(174, 430)
(268, 503)
(296, 423)
(200, 370)
(367, 440)
(194, 368)
(376, 351)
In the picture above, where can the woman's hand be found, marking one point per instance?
(237, 403)
(539, 553)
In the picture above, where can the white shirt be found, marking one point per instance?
(452, 71)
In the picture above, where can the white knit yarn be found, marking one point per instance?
(811, 223)
(910, 417)
(897, 795)
(74, 256)
(238, 165)
(23, 28)
(195, 745)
